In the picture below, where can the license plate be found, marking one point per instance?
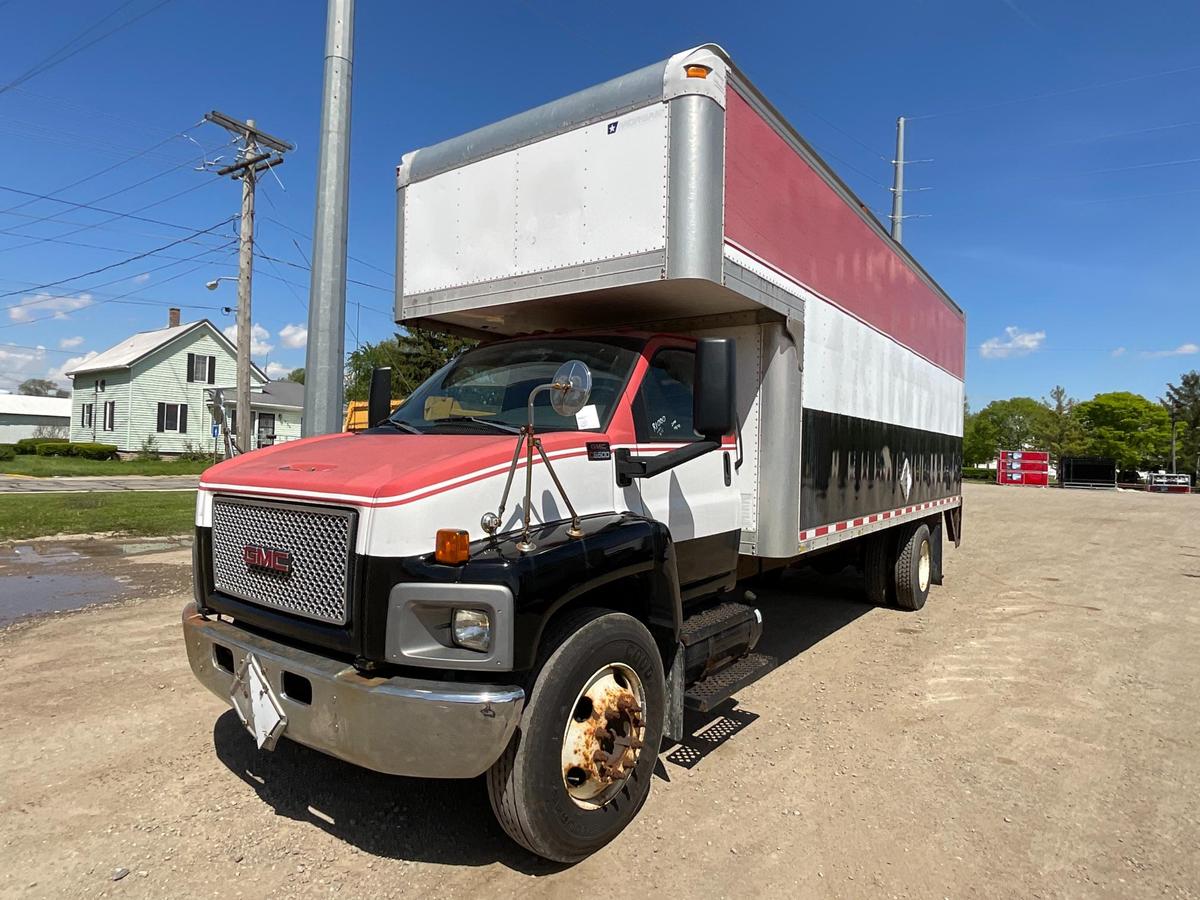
(257, 704)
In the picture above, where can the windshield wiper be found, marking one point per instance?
(402, 426)
(499, 426)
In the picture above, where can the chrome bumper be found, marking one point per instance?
(400, 726)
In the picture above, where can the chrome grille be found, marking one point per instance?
(319, 539)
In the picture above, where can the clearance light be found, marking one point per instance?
(452, 546)
(472, 629)
(696, 71)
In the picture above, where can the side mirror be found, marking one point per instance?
(379, 399)
(713, 388)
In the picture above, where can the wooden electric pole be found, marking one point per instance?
(259, 152)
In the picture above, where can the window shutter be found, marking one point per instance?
(162, 416)
(212, 370)
(183, 418)
(191, 367)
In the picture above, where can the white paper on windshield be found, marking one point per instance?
(587, 417)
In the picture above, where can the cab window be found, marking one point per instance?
(663, 406)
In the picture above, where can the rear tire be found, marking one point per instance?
(914, 568)
(528, 786)
(879, 567)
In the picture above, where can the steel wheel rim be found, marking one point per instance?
(923, 566)
(604, 735)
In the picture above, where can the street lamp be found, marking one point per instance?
(212, 285)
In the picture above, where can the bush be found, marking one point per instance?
(28, 446)
(92, 451)
(53, 448)
(149, 449)
(7, 451)
(974, 473)
(192, 453)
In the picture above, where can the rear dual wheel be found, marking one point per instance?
(898, 566)
(579, 767)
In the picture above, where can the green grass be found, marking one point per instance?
(132, 512)
(48, 466)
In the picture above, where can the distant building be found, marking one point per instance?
(155, 388)
(26, 417)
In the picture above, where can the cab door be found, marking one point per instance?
(698, 500)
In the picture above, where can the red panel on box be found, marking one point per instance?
(1026, 455)
(780, 210)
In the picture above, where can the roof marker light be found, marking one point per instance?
(696, 71)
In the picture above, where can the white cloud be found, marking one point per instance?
(143, 278)
(294, 336)
(1015, 343)
(36, 306)
(1181, 350)
(70, 343)
(1120, 351)
(276, 371)
(60, 374)
(258, 339)
(17, 364)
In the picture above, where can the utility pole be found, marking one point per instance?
(252, 160)
(898, 184)
(324, 369)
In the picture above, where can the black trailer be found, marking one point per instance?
(1097, 472)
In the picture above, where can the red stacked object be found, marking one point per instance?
(1023, 467)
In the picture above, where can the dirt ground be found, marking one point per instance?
(1032, 733)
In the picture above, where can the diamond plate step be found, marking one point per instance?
(720, 686)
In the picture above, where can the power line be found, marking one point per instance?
(73, 205)
(108, 196)
(1139, 196)
(1057, 93)
(119, 298)
(296, 265)
(113, 218)
(1117, 134)
(122, 262)
(1154, 165)
(64, 53)
(306, 237)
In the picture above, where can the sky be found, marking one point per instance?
(1064, 140)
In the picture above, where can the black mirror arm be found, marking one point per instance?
(630, 467)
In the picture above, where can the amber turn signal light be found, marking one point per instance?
(696, 71)
(452, 547)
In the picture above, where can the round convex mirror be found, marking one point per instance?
(566, 401)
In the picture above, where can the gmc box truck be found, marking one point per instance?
(700, 358)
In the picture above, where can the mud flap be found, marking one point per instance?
(673, 714)
(953, 519)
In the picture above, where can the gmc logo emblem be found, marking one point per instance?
(269, 560)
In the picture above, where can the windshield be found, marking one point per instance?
(486, 389)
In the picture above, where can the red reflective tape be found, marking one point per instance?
(821, 530)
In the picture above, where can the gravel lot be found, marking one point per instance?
(1031, 733)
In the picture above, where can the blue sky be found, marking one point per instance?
(1065, 140)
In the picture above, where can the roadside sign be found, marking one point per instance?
(216, 430)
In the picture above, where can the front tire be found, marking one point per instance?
(579, 767)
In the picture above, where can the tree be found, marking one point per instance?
(41, 387)
(1020, 423)
(1063, 435)
(413, 357)
(296, 375)
(980, 439)
(1184, 401)
(1127, 427)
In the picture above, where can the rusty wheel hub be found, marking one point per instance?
(604, 736)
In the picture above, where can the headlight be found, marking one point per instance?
(472, 629)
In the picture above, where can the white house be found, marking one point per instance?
(22, 416)
(152, 389)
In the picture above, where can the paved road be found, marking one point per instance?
(16, 484)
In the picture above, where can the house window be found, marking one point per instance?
(201, 369)
(110, 415)
(172, 417)
(98, 385)
(85, 415)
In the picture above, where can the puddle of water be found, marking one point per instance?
(26, 595)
